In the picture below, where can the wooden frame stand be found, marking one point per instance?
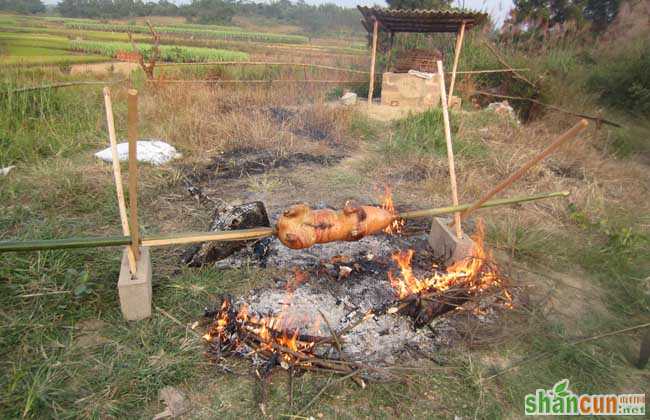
(134, 283)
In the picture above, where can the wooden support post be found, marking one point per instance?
(132, 122)
(459, 46)
(390, 51)
(371, 86)
(450, 150)
(117, 173)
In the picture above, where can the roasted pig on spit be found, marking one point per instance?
(301, 227)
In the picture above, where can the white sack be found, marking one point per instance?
(155, 152)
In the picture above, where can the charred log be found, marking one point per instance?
(423, 308)
(248, 215)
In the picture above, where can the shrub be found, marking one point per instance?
(623, 79)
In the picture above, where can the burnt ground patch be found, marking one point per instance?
(240, 163)
(311, 125)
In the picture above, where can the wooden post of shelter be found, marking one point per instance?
(132, 123)
(390, 51)
(371, 86)
(459, 46)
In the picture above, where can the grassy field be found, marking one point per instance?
(580, 265)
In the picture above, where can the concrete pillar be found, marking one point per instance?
(135, 291)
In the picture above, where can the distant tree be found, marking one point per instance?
(601, 12)
(209, 11)
(22, 6)
(419, 4)
(540, 14)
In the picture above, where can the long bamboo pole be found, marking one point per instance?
(232, 235)
(459, 46)
(450, 149)
(566, 136)
(439, 211)
(371, 86)
(117, 173)
(132, 122)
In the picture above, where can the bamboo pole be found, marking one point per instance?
(132, 122)
(253, 82)
(371, 86)
(225, 236)
(492, 203)
(232, 235)
(264, 63)
(117, 173)
(566, 136)
(450, 149)
(459, 46)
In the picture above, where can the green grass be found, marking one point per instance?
(35, 125)
(23, 49)
(173, 53)
(423, 134)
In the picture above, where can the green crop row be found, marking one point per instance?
(172, 53)
(237, 35)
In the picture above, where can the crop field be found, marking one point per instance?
(278, 133)
(172, 53)
(19, 49)
(235, 35)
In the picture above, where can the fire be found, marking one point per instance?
(267, 334)
(387, 204)
(477, 273)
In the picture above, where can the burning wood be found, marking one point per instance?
(426, 298)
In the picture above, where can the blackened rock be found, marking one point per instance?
(244, 216)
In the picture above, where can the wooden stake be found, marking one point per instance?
(117, 173)
(568, 135)
(459, 46)
(132, 122)
(450, 150)
(371, 87)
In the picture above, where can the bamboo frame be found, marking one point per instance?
(132, 121)
(117, 174)
(263, 63)
(450, 149)
(234, 235)
(459, 46)
(371, 86)
(245, 82)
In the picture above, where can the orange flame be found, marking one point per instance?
(477, 272)
(397, 225)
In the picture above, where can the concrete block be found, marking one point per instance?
(445, 245)
(407, 90)
(135, 291)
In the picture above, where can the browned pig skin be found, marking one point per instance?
(301, 227)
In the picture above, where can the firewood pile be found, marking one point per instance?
(418, 59)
